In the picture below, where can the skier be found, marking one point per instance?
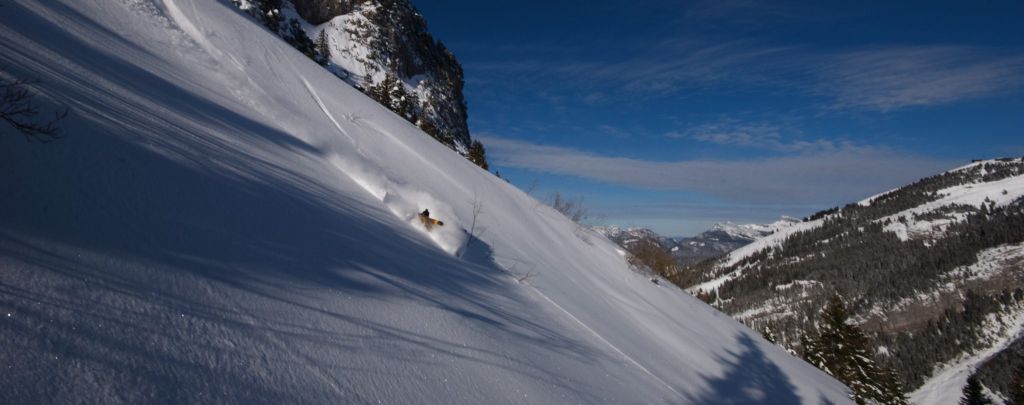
(429, 222)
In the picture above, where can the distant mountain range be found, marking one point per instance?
(724, 238)
(721, 239)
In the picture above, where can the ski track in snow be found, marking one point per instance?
(604, 341)
(385, 189)
(327, 112)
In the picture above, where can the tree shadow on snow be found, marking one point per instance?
(750, 378)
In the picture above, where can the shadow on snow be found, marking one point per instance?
(130, 247)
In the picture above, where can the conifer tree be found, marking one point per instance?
(972, 393)
(323, 48)
(380, 91)
(270, 14)
(403, 102)
(478, 155)
(296, 36)
(842, 350)
(1017, 388)
(428, 126)
(768, 334)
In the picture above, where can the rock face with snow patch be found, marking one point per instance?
(320, 11)
(385, 49)
(932, 270)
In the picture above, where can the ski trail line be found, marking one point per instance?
(606, 342)
(323, 108)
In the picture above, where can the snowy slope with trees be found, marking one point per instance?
(384, 49)
(226, 222)
(932, 272)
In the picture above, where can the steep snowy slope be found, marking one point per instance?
(226, 222)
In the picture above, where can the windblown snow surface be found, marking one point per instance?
(227, 222)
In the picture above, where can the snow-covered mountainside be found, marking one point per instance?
(226, 222)
(627, 236)
(723, 238)
(932, 269)
(751, 231)
(383, 48)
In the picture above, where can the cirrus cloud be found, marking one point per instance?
(755, 135)
(880, 78)
(848, 173)
(891, 78)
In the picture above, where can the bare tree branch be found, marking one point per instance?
(478, 208)
(18, 110)
(524, 278)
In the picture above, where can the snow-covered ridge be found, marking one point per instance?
(999, 193)
(720, 239)
(996, 193)
(754, 231)
(615, 231)
(226, 222)
(772, 240)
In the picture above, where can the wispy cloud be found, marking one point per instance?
(750, 13)
(660, 67)
(874, 79)
(756, 135)
(850, 172)
(892, 78)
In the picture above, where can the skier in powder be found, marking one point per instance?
(429, 222)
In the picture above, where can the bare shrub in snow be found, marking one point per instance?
(647, 252)
(474, 233)
(572, 208)
(18, 110)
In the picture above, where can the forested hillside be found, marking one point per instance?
(932, 271)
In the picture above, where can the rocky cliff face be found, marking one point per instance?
(320, 11)
(383, 48)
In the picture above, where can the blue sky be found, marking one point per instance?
(674, 115)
